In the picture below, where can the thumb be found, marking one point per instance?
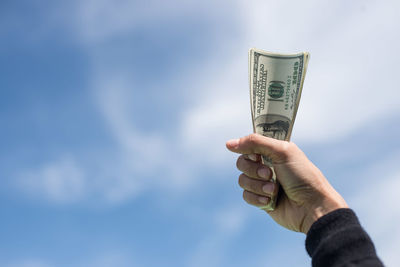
(274, 149)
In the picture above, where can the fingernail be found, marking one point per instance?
(233, 143)
(263, 172)
(268, 188)
(252, 157)
(263, 200)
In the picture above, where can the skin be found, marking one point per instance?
(305, 195)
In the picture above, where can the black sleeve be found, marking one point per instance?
(337, 239)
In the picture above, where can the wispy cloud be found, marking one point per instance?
(108, 258)
(349, 84)
(221, 112)
(60, 181)
(99, 21)
(342, 89)
(375, 203)
(338, 97)
(28, 263)
(212, 248)
(144, 156)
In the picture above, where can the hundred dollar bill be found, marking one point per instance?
(276, 82)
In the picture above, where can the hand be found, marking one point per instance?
(306, 195)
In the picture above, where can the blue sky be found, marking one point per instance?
(115, 114)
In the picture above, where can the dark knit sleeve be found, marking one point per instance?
(337, 239)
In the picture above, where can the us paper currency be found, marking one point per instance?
(276, 82)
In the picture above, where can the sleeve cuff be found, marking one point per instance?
(327, 225)
(337, 239)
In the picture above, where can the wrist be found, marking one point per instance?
(321, 208)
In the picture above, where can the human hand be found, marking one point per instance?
(306, 194)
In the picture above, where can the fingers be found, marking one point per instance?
(257, 144)
(252, 168)
(255, 200)
(259, 187)
(254, 180)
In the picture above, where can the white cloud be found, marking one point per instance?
(61, 181)
(108, 258)
(348, 85)
(145, 154)
(228, 224)
(221, 112)
(98, 21)
(28, 263)
(212, 248)
(376, 204)
(350, 76)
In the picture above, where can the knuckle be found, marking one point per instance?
(244, 166)
(241, 180)
(286, 149)
(238, 162)
(247, 197)
(294, 148)
(252, 138)
(244, 195)
(241, 163)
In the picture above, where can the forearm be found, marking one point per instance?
(337, 239)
